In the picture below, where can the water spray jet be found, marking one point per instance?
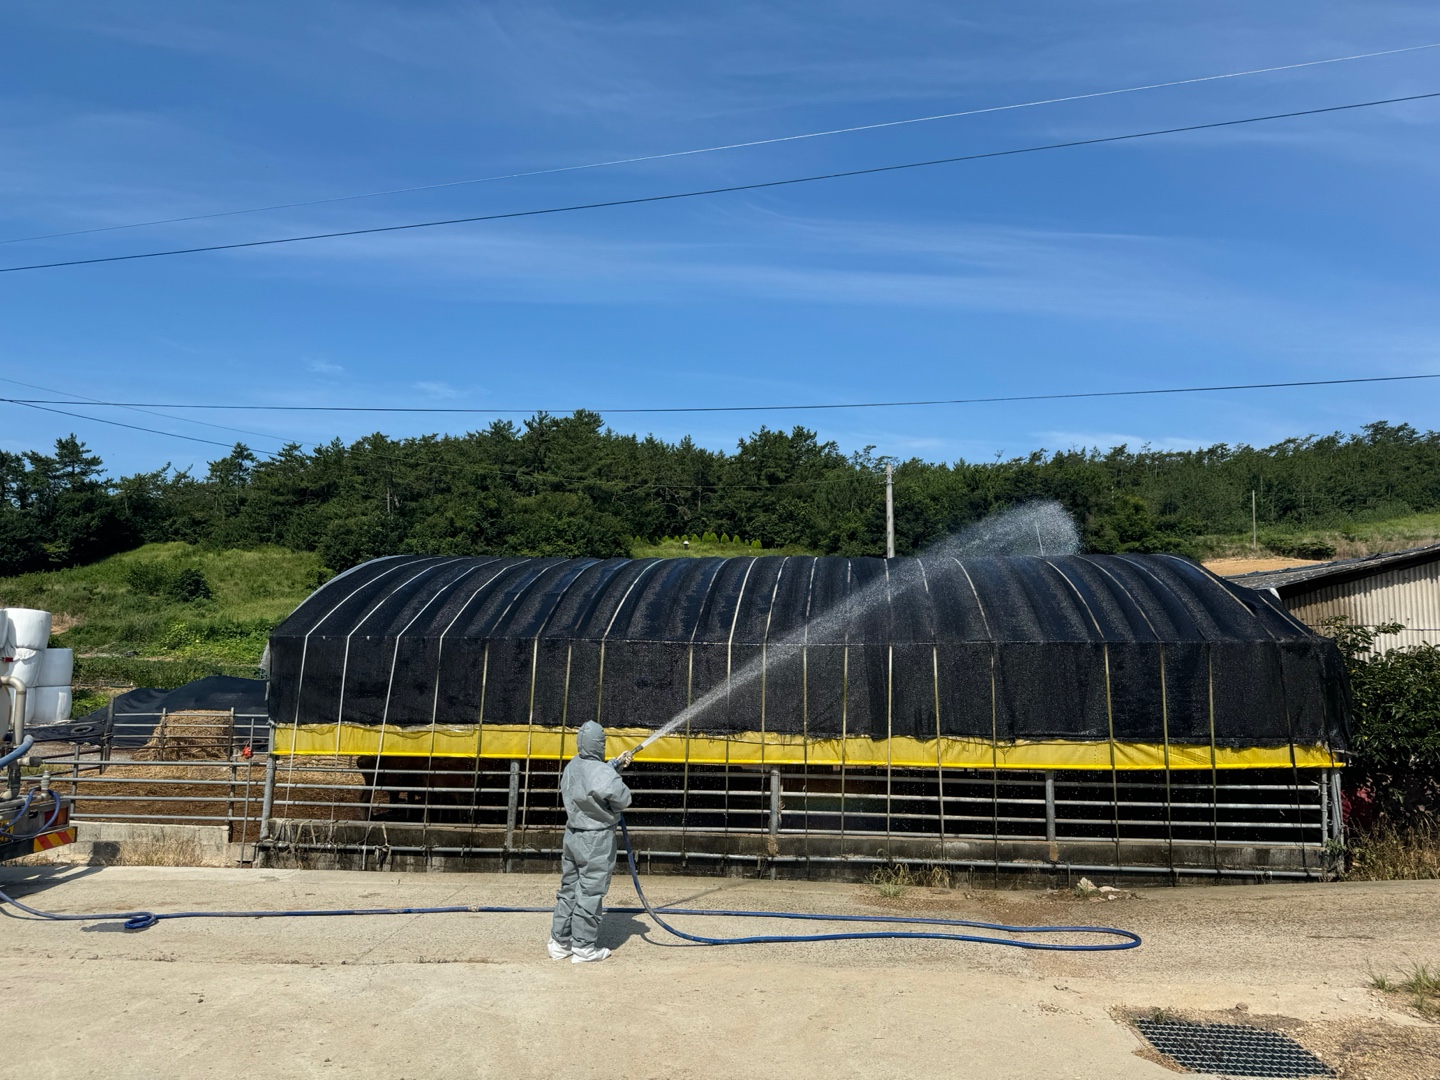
(1036, 528)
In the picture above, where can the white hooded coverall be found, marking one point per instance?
(595, 797)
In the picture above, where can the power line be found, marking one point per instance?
(82, 399)
(728, 189)
(728, 146)
(117, 423)
(518, 473)
(1072, 396)
(515, 472)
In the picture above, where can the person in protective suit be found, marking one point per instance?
(595, 797)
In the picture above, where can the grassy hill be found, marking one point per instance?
(1344, 542)
(167, 613)
(1348, 541)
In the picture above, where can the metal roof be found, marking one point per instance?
(1307, 578)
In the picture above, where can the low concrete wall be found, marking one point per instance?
(119, 843)
(354, 845)
(357, 845)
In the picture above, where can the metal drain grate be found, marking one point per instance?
(1231, 1049)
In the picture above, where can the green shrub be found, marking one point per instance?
(168, 580)
(87, 701)
(147, 578)
(1395, 741)
(190, 584)
(1298, 547)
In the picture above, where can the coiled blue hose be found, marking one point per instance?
(143, 920)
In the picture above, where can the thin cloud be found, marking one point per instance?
(437, 391)
(964, 268)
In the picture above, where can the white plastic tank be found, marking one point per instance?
(45, 673)
(57, 668)
(47, 704)
(26, 630)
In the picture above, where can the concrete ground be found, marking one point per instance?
(473, 995)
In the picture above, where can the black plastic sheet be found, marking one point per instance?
(136, 713)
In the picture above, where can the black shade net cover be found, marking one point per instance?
(815, 652)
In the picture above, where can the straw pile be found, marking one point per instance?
(189, 736)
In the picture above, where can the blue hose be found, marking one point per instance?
(5, 828)
(143, 920)
(1129, 940)
(24, 809)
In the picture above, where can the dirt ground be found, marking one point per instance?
(473, 995)
(1231, 567)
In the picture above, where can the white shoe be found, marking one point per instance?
(556, 950)
(587, 954)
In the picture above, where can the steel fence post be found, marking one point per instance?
(109, 734)
(267, 802)
(234, 775)
(775, 802)
(511, 807)
(775, 807)
(1337, 807)
(1051, 835)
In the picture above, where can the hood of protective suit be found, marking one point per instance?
(590, 741)
(594, 794)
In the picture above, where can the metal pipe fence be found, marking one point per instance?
(206, 770)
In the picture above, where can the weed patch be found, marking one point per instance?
(892, 881)
(1387, 853)
(1420, 983)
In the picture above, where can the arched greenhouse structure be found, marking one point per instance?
(1022, 704)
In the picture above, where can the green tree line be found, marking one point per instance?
(570, 486)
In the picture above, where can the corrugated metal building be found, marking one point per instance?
(1397, 587)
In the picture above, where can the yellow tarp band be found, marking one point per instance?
(769, 748)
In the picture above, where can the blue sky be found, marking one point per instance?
(1299, 249)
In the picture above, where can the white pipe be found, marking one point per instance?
(17, 727)
(889, 511)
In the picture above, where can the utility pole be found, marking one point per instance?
(889, 511)
(1254, 529)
